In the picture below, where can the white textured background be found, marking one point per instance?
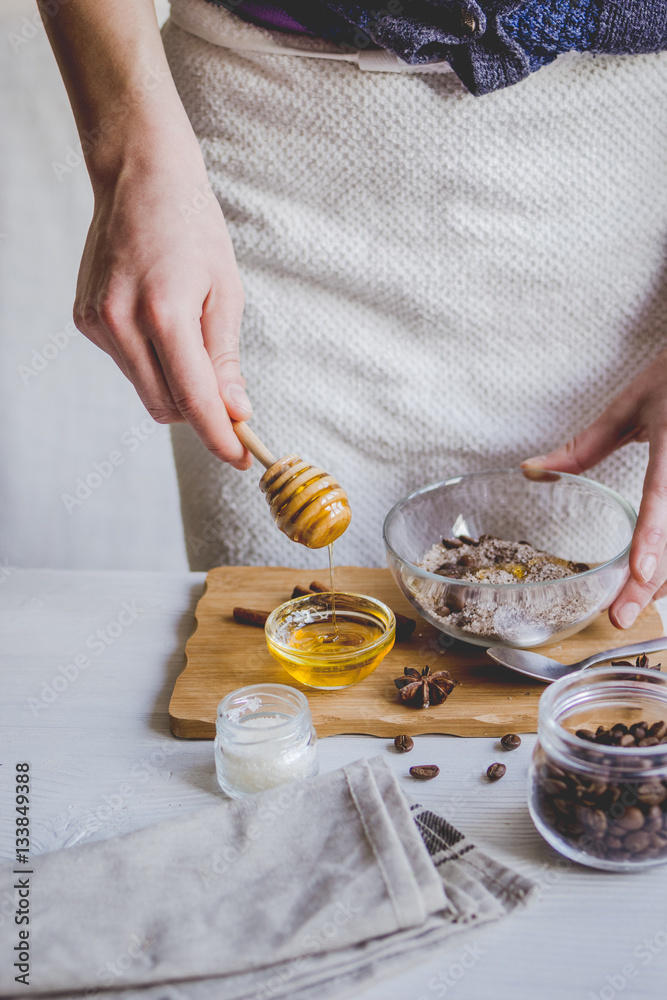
(57, 422)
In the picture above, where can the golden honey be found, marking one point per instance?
(302, 636)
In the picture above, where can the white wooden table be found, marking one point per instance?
(87, 664)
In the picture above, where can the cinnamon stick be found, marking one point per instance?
(249, 616)
(404, 627)
(300, 592)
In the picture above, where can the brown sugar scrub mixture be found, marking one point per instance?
(499, 561)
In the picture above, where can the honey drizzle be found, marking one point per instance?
(333, 595)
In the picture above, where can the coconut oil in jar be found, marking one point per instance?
(264, 737)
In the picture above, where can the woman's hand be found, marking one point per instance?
(639, 413)
(160, 292)
(158, 287)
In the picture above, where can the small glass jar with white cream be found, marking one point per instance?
(264, 737)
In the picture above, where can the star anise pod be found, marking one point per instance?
(642, 662)
(423, 689)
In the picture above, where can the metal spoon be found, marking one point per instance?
(543, 668)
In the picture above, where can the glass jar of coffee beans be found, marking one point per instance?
(598, 778)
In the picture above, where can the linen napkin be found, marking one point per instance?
(322, 886)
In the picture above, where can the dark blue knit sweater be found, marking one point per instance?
(489, 43)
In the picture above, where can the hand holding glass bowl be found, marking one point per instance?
(568, 516)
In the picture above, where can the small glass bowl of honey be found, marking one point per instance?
(330, 640)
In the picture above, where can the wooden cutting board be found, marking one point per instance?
(489, 700)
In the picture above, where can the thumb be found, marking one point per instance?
(586, 448)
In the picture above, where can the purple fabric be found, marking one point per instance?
(266, 15)
(489, 43)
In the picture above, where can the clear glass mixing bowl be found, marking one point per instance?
(568, 516)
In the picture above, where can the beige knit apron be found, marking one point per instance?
(435, 283)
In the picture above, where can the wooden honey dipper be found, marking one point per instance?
(308, 505)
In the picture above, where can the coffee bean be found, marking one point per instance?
(647, 855)
(552, 786)
(511, 741)
(627, 740)
(468, 540)
(648, 741)
(404, 744)
(494, 772)
(658, 729)
(453, 543)
(455, 602)
(619, 855)
(465, 560)
(633, 819)
(585, 734)
(598, 821)
(637, 841)
(451, 570)
(425, 771)
(563, 805)
(652, 793)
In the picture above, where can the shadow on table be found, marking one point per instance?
(175, 662)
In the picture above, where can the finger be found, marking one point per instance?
(221, 324)
(636, 595)
(89, 324)
(189, 374)
(145, 373)
(137, 359)
(650, 537)
(612, 429)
